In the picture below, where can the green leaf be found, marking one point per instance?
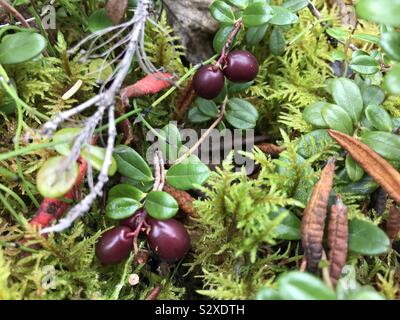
(372, 95)
(363, 187)
(354, 171)
(67, 134)
(188, 174)
(172, 142)
(144, 186)
(337, 118)
(390, 42)
(383, 11)
(364, 65)
(313, 142)
(222, 12)
(366, 238)
(367, 37)
(20, 47)
(348, 96)
(241, 114)
(235, 87)
(55, 178)
(196, 116)
(266, 293)
(221, 36)
(379, 118)
(338, 33)
(392, 80)
(289, 228)
(257, 14)
(255, 34)
(207, 107)
(364, 293)
(160, 205)
(242, 4)
(385, 143)
(95, 156)
(295, 5)
(121, 208)
(124, 190)
(277, 42)
(296, 285)
(99, 21)
(282, 16)
(131, 164)
(312, 114)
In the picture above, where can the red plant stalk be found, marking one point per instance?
(53, 209)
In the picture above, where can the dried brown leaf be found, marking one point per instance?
(270, 148)
(393, 223)
(338, 234)
(116, 9)
(313, 221)
(377, 167)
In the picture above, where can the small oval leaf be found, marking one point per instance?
(161, 205)
(131, 164)
(125, 190)
(222, 12)
(241, 114)
(385, 143)
(337, 118)
(95, 156)
(354, 171)
(379, 118)
(257, 14)
(121, 208)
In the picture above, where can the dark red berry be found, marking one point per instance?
(208, 82)
(241, 66)
(168, 239)
(114, 245)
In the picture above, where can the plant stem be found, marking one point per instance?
(10, 9)
(225, 49)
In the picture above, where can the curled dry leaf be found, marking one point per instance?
(270, 148)
(186, 98)
(184, 199)
(393, 223)
(377, 167)
(150, 84)
(116, 9)
(338, 234)
(313, 221)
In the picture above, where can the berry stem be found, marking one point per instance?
(225, 49)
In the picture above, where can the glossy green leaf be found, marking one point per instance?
(313, 142)
(337, 118)
(124, 190)
(242, 4)
(289, 228)
(338, 33)
(354, 171)
(382, 11)
(367, 37)
(282, 16)
(20, 47)
(347, 95)
(277, 42)
(55, 178)
(95, 156)
(188, 174)
(207, 107)
(363, 187)
(296, 285)
(161, 205)
(131, 164)
(372, 95)
(385, 143)
(221, 36)
(379, 118)
(121, 208)
(268, 294)
(172, 142)
(295, 5)
(312, 114)
(222, 12)
(99, 21)
(144, 186)
(364, 65)
(67, 134)
(390, 42)
(241, 114)
(235, 87)
(257, 14)
(366, 238)
(392, 80)
(196, 116)
(255, 34)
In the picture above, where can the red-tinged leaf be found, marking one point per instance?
(150, 84)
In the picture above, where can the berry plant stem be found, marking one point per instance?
(225, 49)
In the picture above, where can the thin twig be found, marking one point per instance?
(10, 9)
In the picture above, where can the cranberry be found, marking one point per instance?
(208, 82)
(241, 66)
(114, 245)
(168, 239)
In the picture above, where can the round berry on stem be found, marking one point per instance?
(114, 245)
(208, 82)
(168, 239)
(241, 66)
